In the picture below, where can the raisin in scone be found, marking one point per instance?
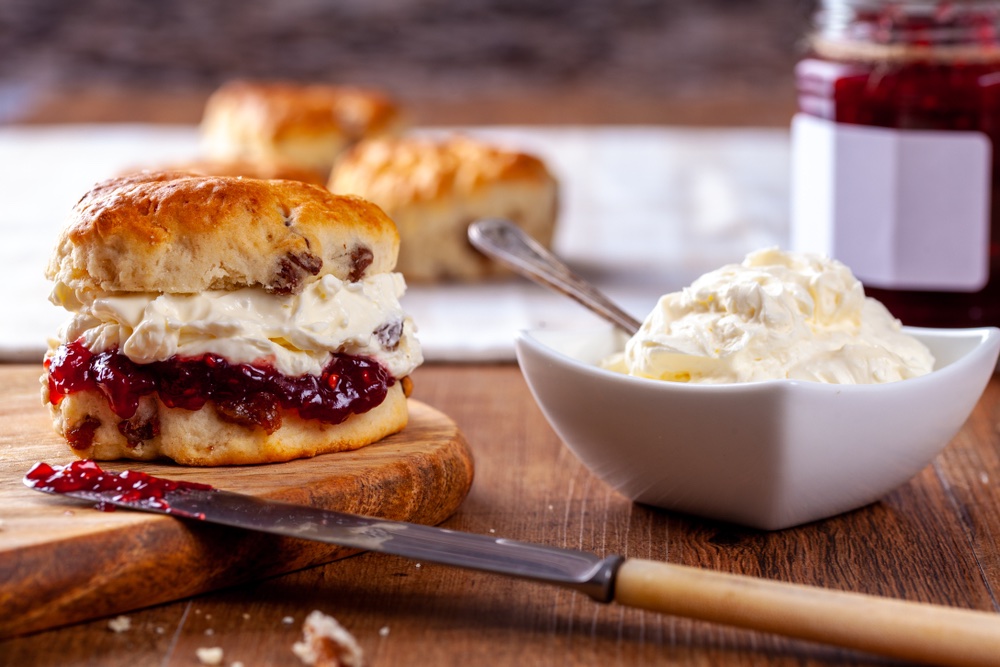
(434, 188)
(307, 126)
(226, 321)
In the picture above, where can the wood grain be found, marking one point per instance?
(61, 562)
(935, 539)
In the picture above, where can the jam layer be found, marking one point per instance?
(248, 394)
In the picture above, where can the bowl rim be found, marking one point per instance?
(988, 345)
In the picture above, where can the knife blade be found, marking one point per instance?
(920, 632)
(85, 480)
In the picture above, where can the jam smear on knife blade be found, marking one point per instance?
(128, 486)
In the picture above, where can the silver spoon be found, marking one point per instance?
(507, 244)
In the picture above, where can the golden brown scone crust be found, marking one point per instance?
(306, 125)
(201, 438)
(246, 168)
(433, 189)
(175, 232)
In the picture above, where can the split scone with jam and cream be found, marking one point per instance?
(303, 125)
(433, 188)
(221, 321)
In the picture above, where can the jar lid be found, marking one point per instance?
(908, 3)
(911, 6)
(936, 31)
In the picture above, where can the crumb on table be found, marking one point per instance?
(325, 643)
(120, 624)
(209, 656)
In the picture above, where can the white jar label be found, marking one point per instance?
(903, 209)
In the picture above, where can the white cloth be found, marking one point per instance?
(644, 210)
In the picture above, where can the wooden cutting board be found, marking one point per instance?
(61, 561)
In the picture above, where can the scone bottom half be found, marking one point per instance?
(204, 409)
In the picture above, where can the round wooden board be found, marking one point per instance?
(63, 562)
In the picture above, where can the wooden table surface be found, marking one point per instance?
(936, 539)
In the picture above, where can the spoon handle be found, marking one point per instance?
(506, 243)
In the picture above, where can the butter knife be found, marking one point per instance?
(920, 632)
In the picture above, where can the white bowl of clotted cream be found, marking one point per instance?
(769, 454)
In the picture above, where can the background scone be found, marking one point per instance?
(226, 321)
(307, 126)
(269, 170)
(433, 189)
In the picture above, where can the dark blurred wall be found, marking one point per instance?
(422, 51)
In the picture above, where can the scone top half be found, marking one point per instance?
(176, 232)
(227, 320)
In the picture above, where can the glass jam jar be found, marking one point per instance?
(895, 153)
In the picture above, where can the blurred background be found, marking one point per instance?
(682, 166)
(682, 62)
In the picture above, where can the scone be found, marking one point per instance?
(226, 321)
(270, 170)
(434, 188)
(307, 126)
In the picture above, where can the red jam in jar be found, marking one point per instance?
(899, 125)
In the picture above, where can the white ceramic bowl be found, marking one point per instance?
(767, 454)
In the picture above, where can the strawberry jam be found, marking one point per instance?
(249, 394)
(915, 66)
(128, 486)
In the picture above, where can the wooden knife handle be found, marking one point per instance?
(910, 630)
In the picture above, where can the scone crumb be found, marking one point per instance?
(383, 631)
(209, 656)
(325, 643)
(120, 624)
